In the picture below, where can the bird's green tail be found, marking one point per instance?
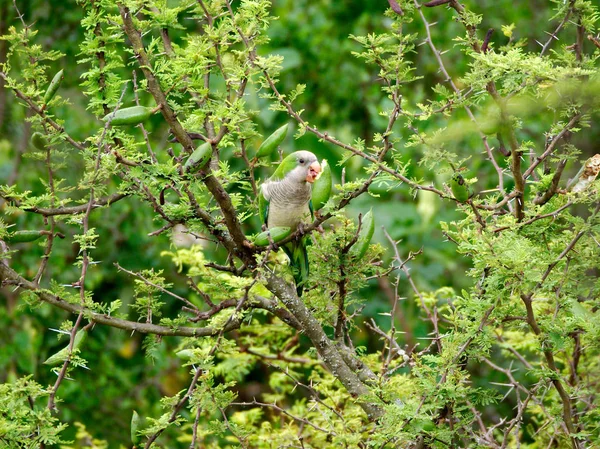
(296, 251)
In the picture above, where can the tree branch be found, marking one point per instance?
(211, 182)
(38, 110)
(325, 347)
(74, 210)
(9, 276)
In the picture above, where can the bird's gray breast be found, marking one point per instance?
(288, 204)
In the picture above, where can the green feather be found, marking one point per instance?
(263, 207)
(296, 251)
(287, 165)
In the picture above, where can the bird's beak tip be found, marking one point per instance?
(313, 172)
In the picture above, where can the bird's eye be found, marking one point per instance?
(301, 161)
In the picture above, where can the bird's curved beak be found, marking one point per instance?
(313, 172)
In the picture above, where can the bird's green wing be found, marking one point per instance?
(286, 166)
(263, 208)
(296, 251)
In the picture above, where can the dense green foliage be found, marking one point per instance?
(469, 319)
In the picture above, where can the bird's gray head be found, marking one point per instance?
(306, 167)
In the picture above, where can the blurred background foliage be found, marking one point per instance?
(343, 96)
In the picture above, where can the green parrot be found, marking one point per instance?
(284, 200)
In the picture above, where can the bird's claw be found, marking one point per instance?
(301, 229)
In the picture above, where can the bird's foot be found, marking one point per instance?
(301, 228)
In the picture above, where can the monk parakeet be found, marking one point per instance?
(284, 200)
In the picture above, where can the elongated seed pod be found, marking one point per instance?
(185, 354)
(199, 157)
(277, 234)
(61, 355)
(135, 424)
(24, 236)
(367, 229)
(396, 7)
(459, 188)
(53, 86)
(39, 140)
(272, 142)
(129, 116)
(321, 188)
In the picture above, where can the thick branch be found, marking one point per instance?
(556, 381)
(549, 356)
(213, 185)
(8, 274)
(553, 188)
(324, 346)
(500, 101)
(73, 210)
(449, 80)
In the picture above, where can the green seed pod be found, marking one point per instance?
(53, 87)
(367, 229)
(199, 157)
(185, 354)
(491, 122)
(277, 234)
(39, 140)
(272, 142)
(489, 126)
(129, 116)
(321, 188)
(61, 355)
(24, 236)
(426, 424)
(459, 187)
(135, 424)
